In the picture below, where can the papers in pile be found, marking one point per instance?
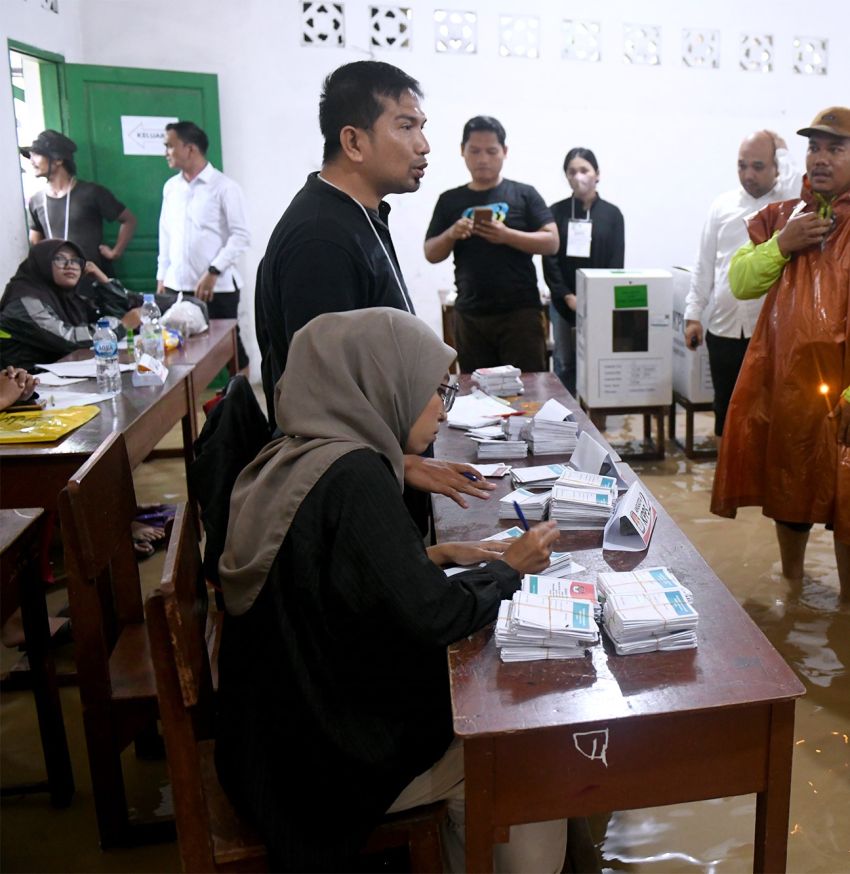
(493, 470)
(553, 430)
(558, 587)
(559, 562)
(476, 410)
(576, 508)
(649, 581)
(649, 621)
(533, 505)
(503, 380)
(490, 449)
(541, 477)
(533, 627)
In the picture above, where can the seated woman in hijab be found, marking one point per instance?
(333, 681)
(51, 305)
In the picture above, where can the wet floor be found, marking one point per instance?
(806, 625)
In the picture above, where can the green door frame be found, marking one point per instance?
(52, 83)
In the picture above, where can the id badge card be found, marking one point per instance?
(579, 235)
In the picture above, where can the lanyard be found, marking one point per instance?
(586, 212)
(380, 243)
(67, 214)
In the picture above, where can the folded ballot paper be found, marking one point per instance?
(536, 627)
(632, 523)
(553, 430)
(503, 380)
(533, 505)
(539, 477)
(592, 457)
(645, 622)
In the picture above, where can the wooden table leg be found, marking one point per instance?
(773, 804)
(478, 773)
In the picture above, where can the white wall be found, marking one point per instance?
(666, 137)
(27, 22)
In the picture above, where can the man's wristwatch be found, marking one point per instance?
(214, 270)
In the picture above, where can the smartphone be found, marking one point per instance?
(482, 214)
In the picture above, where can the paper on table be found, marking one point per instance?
(83, 368)
(61, 400)
(52, 379)
(476, 410)
(496, 469)
(590, 456)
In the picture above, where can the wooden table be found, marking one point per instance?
(21, 586)
(35, 473)
(549, 740)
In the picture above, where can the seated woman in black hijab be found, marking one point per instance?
(333, 679)
(51, 305)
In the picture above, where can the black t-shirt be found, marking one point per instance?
(325, 256)
(91, 205)
(607, 248)
(491, 278)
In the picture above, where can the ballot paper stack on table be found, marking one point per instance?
(582, 500)
(533, 505)
(503, 380)
(478, 410)
(559, 562)
(553, 430)
(646, 581)
(540, 477)
(552, 586)
(537, 627)
(501, 449)
(646, 621)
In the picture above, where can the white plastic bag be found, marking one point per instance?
(185, 316)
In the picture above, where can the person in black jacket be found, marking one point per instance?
(333, 682)
(51, 304)
(591, 235)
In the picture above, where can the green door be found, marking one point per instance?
(116, 117)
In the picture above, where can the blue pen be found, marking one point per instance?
(520, 515)
(469, 475)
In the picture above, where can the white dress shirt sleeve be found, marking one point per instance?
(238, 236)
(702, 281)
(162, 260)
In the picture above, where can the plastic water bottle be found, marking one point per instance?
(149, 339)
(106, 359)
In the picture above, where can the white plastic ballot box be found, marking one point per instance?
(691, 372)
(624, 344)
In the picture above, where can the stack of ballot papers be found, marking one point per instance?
(497, 469)
(503, 380)
(541, 477)
(646, 622)
(576, 509)
(533, 505)
(553, 430)
(648, 581)
(501, 449)
(558, 587)
(535, 627)
(559, 562)
(515, 427)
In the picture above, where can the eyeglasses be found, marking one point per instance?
(448, 393)
(61, 262)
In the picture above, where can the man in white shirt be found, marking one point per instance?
(767, 174)
(202, 227)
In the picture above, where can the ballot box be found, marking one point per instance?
(691, 373)
(624, 344)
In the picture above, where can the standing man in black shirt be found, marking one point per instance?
(493, 226)
(70, 209)
(331, 250)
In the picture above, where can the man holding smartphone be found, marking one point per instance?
(493, 226)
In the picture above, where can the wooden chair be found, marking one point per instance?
(212, 836)
(115, 673)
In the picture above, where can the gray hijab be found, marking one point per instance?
(352, 381)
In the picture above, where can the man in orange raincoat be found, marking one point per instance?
(786, 445)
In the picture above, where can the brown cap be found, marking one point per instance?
(835, 121)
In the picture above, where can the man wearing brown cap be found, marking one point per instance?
(70, 209)
(786, 446)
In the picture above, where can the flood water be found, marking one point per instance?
(806, 625)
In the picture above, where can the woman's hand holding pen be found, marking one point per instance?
(448, 478)
(529, 554)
